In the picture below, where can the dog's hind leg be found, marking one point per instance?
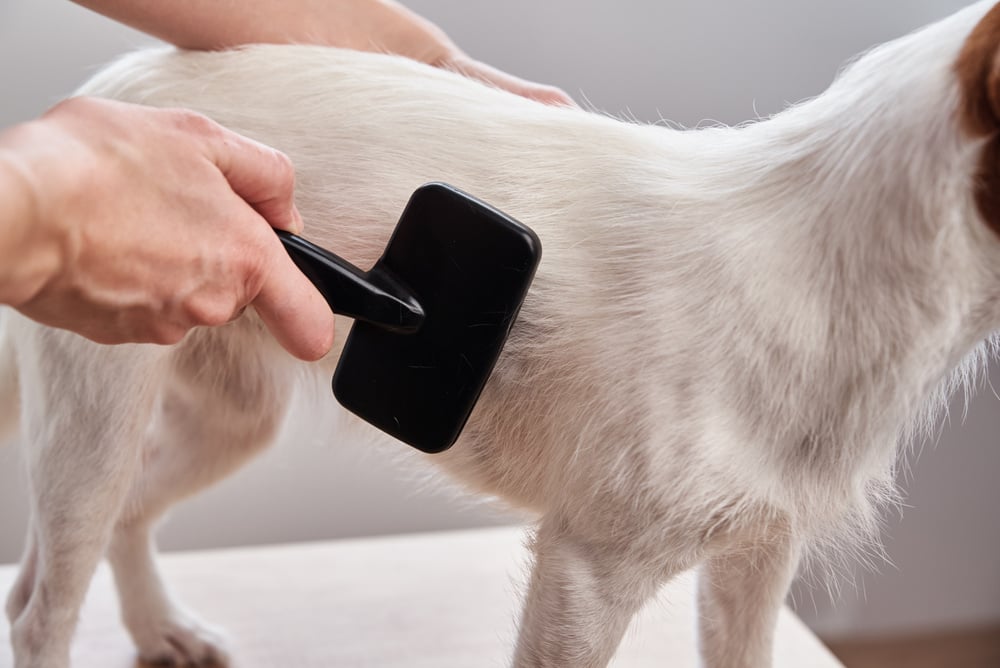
(10, 404)
(9, 409)
(86, 409)
(19, 595)
(739, 596)
(222, 403)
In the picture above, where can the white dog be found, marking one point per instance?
(730, 334)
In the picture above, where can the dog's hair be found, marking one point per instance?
(731, 333)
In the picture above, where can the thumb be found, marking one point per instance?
(293, 309)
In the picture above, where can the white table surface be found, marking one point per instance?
(438, 600)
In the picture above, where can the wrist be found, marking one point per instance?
(27, 260)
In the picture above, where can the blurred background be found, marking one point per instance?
(688, 61)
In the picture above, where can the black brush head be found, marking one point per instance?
(468, 266)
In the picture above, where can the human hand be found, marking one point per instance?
(385, 25)
(138, 224)
(363, 25)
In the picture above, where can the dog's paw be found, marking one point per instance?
(181, 641)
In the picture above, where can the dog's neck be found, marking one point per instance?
(838, 238)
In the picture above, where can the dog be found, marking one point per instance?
(732, 335)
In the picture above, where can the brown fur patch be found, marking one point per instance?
(978, 70)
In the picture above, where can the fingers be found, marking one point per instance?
(260, 175)
(288, 303)
(292, 308)
(491, 75)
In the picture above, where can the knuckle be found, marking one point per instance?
(105, 338)
(283, 165)
(284, 171)
(167, 334)
(211, 310)
(194, 122)
(252, 266)
(208, 312)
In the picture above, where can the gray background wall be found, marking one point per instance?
(684, 60)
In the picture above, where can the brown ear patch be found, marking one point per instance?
(978, 71)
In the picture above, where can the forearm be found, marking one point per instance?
(27, 261)
(218, 24)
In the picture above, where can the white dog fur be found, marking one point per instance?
(731, 333)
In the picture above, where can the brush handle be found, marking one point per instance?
(374, 297)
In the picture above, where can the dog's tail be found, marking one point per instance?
(10, 407)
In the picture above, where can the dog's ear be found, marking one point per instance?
(978, 72)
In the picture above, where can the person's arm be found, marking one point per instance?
(131, 224)
(366, 25)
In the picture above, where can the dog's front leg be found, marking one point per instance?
(739, 596)
(582, 596)
(85, 410)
